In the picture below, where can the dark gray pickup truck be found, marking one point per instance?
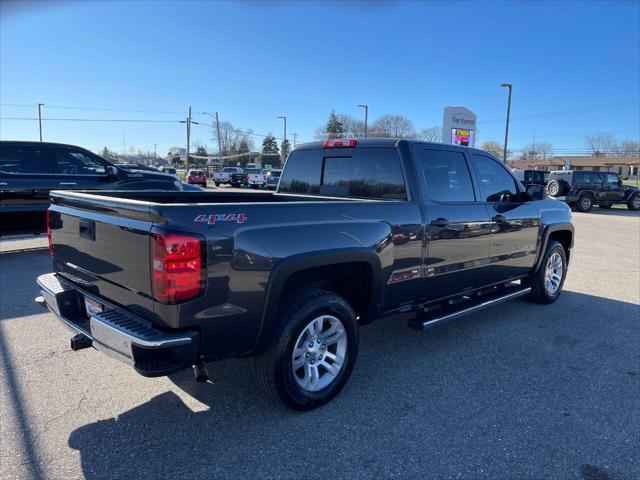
(357, 230)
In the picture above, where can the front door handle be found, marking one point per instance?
(67, 184)
(499, 219)
(440, 222)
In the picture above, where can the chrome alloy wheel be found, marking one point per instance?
(319, 353)
(553, 273)
(635, 203)
(553, 189)
(586, 202)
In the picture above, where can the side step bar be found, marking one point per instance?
(426, 320)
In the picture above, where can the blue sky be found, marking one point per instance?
(575, 67)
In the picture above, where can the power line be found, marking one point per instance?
(586, 109)
(101, 109)
(129, 120)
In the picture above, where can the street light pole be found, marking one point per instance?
(506, 130)
(188, 135)
(40, 118)
(366, 117)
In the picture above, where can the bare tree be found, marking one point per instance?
(628, 148)
(600, 143)
(535, 152)
(353, 128)
(431, 134)
(494, 148)
(393, 126)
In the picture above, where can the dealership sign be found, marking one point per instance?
(459, 126)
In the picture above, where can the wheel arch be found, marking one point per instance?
(561, 232)
(302, 266)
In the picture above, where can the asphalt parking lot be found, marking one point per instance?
(521, 391)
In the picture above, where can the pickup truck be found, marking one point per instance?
(224, 177)
(357, 230)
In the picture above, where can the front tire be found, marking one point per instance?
(312, 351)
(634, 203)
(546, 284)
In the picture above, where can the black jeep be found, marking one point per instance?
(582, 189)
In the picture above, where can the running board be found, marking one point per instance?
(443, 315)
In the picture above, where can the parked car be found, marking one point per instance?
(224, 177)
(532, 177)
(272, 178)
(357, 230)
(197, 177)
(137, 167)
(29, 170)
(583, 189)
(170, 171)
(239, 179)
(255, 177)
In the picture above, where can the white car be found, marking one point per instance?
(225, 175)
(256, 178)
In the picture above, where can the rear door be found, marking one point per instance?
(25, 177)
(77, 169)
(457, 225)
(514, 224)
(590, 181)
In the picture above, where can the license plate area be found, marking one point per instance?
(92, 307)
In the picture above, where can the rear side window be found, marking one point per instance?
(496, 182)
(586, 177)
(23, 159)
(447, 176)
(611, 179)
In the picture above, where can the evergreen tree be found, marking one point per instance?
(270, 144)
(335, 128)
(285, 148)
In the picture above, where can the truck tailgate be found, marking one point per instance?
(105, 249)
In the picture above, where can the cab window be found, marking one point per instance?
(70, 161)
(447, 176)
(497, 184)
(23, 159)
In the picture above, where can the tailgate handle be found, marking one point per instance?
(88, 229)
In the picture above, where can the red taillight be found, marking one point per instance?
(176, 266)
(341, 143)
(49, 231)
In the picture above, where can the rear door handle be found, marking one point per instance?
(67, 184)
(499, 219)
(440, 222)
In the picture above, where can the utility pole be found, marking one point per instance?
(155, 152)
(366, 117)
(40, 118)
(188, 135)
(219, 142)
(506, 131)
(295, 138)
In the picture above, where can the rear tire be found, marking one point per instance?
(585, 203)
(546, 284)
(634, 203)
(303, 336)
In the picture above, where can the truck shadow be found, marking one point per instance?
(468, 386)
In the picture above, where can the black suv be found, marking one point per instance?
(582, 189)
(29, 170)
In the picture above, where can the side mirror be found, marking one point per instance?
(112, 172)
(535, 192)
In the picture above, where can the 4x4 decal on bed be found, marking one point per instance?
(214, 218)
